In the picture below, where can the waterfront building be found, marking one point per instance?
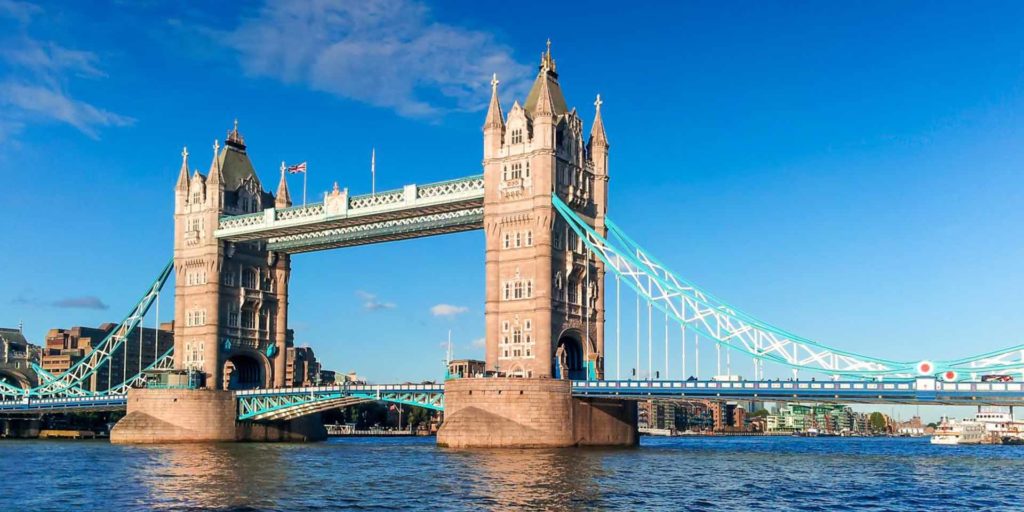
(328, 377)
(657, 414)
(826, 418)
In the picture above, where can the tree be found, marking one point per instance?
(877, 422)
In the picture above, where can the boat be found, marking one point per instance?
(950, 432)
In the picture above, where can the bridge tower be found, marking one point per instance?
(545, 299)
(231, 299)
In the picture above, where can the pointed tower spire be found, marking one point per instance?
(495, 119)
(545, 95)
(545, 105)
(283, 199)
(214, 175)
(183, 173)
(597, 135)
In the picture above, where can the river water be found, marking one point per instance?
(737, 473)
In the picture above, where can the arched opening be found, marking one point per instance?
(14, 379)
(242, 372)
(569, 357)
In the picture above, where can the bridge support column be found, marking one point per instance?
(201, 415)
(20, 428)
(531, 413)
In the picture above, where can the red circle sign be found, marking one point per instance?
(925, 367)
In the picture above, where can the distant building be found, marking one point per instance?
(656, 414)
(826, 418)
(462, 368)
(66, 347)
(302, 368)
(328, 377)
(14, 348)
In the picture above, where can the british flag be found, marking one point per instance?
(297, 168)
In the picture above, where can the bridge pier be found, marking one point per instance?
(20, 428)
(531, 413)
(202, 415)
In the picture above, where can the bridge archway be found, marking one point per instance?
(568, 363)
(14, 378)
(245, 371)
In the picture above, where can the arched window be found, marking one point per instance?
(508, 288)
(519, 290)
(529, 238)
(527, 174)
(518, 240)
(507, 236)
(529, 288)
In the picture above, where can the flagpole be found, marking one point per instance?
(304, 174)
(373, 171)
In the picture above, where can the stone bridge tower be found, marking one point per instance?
(231, 300)
(545, 310)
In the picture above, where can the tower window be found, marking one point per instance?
(518, 240)
(249, 278)
(529, 238)
(507, 240)
(517, 136)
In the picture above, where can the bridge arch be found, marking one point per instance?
(568, 363)
(15, 378)
(246, 369)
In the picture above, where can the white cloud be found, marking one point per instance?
(371, 303)
(36, 86)
(447, 310)
(479, 343)
(388, 53)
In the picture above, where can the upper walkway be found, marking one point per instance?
(342, 220)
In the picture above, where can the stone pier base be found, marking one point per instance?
(531, 413)
(201, 415)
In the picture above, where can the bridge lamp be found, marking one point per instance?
(949, 375)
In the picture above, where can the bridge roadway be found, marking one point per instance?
(288, 403)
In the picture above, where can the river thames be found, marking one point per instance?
(740, 473)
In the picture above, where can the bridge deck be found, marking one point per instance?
(923, 391)
(342, 220)
(283, 403)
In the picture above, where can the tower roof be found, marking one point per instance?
(235, 165)
(546, 86)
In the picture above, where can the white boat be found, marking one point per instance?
(951, 431)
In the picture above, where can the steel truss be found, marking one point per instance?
(284, 403)
(714, 319)
(69, 383)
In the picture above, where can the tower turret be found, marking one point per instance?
(283, 199)
(494, 124)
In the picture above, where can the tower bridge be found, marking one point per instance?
(553, 262)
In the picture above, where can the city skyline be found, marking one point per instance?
(864, 252)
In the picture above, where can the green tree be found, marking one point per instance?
(877, 421)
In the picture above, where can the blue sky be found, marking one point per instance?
(849, 172)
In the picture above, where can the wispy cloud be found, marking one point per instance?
(36, 86)
(371, 302)
(447, 310)
(85, 302)
(388, 53)
(479, 343)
